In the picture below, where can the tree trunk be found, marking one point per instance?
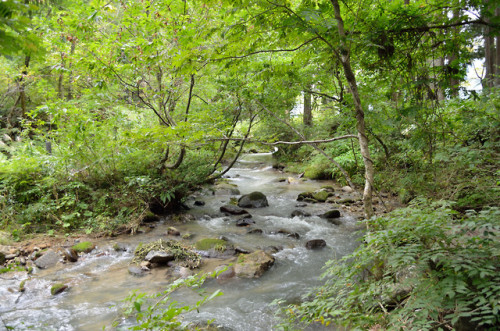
(70, 79)
(360, 116)
(307, 109)
(497, 53)
(489, 54)
(60, 91)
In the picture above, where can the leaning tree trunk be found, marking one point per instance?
(307, 116)
(360, 115)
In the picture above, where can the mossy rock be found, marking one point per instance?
(83, 247)
(211, 243)
(58, 288)
(305, 195)
(150, 217)
(320, 196)
(328, 188)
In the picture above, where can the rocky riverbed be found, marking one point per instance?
(271, 232)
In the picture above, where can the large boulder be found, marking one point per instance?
(47, 260)
(320, 196)
(253, 200)
(253, 265)
(233, 210)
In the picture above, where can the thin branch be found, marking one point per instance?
(301, 142)
(346, 175)
(324, 95)
(268, 51)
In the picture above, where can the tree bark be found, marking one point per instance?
(360, 115)
(497, 54)
(307, 116)
(60, 91)
(70, 78)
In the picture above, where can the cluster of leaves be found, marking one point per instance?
(423, 267)
(161, 311)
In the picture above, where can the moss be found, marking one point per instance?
(321, 196)
(58, 288)
(22, 286)
(150, 217)
(209, 243)
(83, 247)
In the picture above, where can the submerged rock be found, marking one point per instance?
(255, 231)
(245, 222)
(199, 203)
(288, 233)
(225, 274)
(136, 271)
(253, 265)
(299, 213)
(233, 210)
(47, 260)
(226, 189)
(315, 244)
(305, 195)
(253, 200)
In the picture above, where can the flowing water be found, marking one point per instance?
(99, 281)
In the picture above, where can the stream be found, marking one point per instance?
(100, 280)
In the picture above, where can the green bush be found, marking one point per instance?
(422, 267)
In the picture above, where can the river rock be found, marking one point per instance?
(255, 231)
(347, 189)
(315, 244)
(119, 247)
(288, 233)
(70, 255)
(171, 231)
(334, 213)
(253, 200)
(159, 257)
(300, 205)
(226, 274)
(199, 203)
(253, 265)
(47, 260)
(233, 210)
(2, 258)
(299, 213)
(245, 222)
(334, 221)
